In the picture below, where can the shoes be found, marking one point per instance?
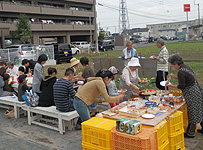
(188, 136)
(78, 127)
(200, 131)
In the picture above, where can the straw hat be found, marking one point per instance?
(134, 62)
(74, 62)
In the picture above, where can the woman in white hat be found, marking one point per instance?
(129, 78)
(74, 63)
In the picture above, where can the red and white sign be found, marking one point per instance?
(186, 7)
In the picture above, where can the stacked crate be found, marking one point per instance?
(176, 131)
(145, 140)
(185, 117)
(162, 135)
(96, 134)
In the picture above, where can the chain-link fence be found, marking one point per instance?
(17, 53)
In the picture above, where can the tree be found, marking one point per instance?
(101, 36)
(23, 32)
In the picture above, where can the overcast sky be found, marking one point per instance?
(143, 12)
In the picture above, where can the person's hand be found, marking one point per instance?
(121, 96)
(154, 57)
(77, 79)
(123, 56)
(172, 76)
(136, 88)
(79, 75)
(144, 81)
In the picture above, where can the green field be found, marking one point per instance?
(188, 51)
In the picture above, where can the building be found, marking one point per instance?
(63, 20)
(138, 32)
(154, 28)
(167, 31)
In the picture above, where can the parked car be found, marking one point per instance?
(106, 45)
(62, 52)
(75, 50)
(19, 52)
(81, 45)
(150, 40)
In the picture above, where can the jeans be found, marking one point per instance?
(81, 109)
(94, 105)
(161, 76)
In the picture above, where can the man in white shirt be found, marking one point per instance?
(12, 70)
(129, 51)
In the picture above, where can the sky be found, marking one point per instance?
(143, 12)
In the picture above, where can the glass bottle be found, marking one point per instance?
(171, 99)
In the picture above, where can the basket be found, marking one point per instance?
(97, 133)
(175, 123)
(10, 113)
(176, 141)
(162, 133)
(145, 140)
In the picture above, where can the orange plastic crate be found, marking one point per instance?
(145, 140)
(162, 132)
(176, 141)
(97, 132)
(175, 122)
(165, 146)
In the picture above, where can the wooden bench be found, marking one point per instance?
(7, 101)
(63, 119)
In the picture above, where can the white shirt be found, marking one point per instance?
(13, 71)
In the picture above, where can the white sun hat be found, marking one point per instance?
(134, 62)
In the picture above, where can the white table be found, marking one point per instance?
(15, 85)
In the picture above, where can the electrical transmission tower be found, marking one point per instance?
(123, 17)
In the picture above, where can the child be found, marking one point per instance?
(8, 84)
(21, 70)
(112, 89)
(22, 87)
(46, 98)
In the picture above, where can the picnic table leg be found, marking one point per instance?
(29, 116)
(60, 124)
(15, 111)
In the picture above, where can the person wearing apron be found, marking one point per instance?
(192, 93)
(129, 78)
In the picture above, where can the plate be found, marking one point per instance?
(151, 57)
(163, 83)
(148, 116)
(80, 82)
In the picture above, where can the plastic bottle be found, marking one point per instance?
(162, 98)
(171, 99)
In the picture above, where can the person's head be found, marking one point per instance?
(52, 71)
(160, 43)
(3, 64)
(114, 71)
(42, 59)
(129, 45)
(74, 62)
(6, 77)
(133, 64)
(10, 65)
(21, 70)
(22, 78)
(2, 71)
(106, 75)
(69, 74)
(25, 62)
(175, 60)
(84, 61)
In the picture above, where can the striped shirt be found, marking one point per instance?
(162, 62)
(63, 92)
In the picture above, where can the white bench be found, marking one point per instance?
(8, 101)
(68, 119)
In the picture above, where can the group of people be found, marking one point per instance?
(102, 87)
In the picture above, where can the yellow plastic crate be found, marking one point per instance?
(162, 132)
(165, 146)
(97, 132)
(175, 122)
(90, 147)
(176, 141)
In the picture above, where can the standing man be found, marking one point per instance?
(29, 66)
(129, 51)
(162, 64)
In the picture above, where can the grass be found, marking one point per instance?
(188, 51)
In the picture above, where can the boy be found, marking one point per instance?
(64, 92)
(22, 87)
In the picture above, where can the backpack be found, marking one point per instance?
(31, 99)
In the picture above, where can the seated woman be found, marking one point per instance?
(129, 78)
(88, 93)
(46, 98)
(2, 92)
(192, 93)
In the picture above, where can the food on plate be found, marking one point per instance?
(160, 92)
(29, 84)
(153, 110)
(133, 99)
(116, 109)
(178, 99)
(147, 92)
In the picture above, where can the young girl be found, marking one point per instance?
(8, 84)
(22, 87)
(112, 89)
